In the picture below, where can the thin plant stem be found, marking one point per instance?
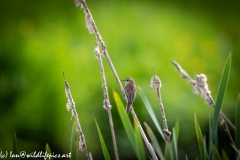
(149, 146)
(106, 103)
(166, 132)
(156, 85)
(93, 29)
(71, 106)
(228, 121)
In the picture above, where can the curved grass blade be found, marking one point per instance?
(237, 122)
(90, 156)
(15, 145)
(104, 148)
(174, 142)
(139, 141)
(48, 150)
(74, 142)
(126, 122)
(215, 152)
(196, 157)
(154, 140)
(238, 157)
(220, 95)
(216, 138)
(235, 149)
(150, 111)
(175, 139)
(201, 145)
(177, 129)
(210, 132)
(224, 155)
(167, 151)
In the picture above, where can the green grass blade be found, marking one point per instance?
(150, 111)
(186, 157)
(167, 151)
(90, 156)
(216, 138)
(177, 129)
(15, 145)
(154, 140)
(104, 148)
(238, 156)
(48, 150)
(175, 139)
(126, 121)
(74, 142)
(235, 149)
(201, 145)
(174, 142)
(224, 155)
(215, 152)
(237, 122)
(220, 95)
(210, 132)
(139, 141)
(196, 157)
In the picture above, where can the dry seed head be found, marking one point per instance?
(69, 106)
(96, 50)
(89, 22)
(155, 82)
(201, 84)
(201, 87)
(81, 145)
(77, 2)
(167, 134)
(200, 80)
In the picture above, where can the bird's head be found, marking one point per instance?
(128, 80)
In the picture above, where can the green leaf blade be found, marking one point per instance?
(154, 141)
(237, 122)
(175, 139)
(201, 143)
(150, 111)
(174, 142)
(215, 152)
(220, 95)
(139, 141)
(126, 122)
(103, 145)
(224, 155)
(15, 144)
(177, 129)
(48, 150)
(167, 151)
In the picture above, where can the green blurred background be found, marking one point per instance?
(40, 38)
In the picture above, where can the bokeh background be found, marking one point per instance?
(40, 38)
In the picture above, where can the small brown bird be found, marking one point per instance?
(130, 91)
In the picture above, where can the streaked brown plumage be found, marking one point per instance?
(130, 91)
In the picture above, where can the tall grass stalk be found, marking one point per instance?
(106, 102)
(92, 28)
(71, 106)
(156, 85)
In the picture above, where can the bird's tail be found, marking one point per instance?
(129, 107)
